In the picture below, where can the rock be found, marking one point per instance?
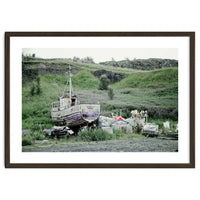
(126, 125)
(122, 126)
(134, 122)
(118, 127)
(108, 129)
(112, 76)
(176, 127)
(150, 129)
(38, 142)
(129, 129)
(172, 134)
(166, 125)
(41, 141)
(105, 121)
(48, 132)
(131, 121)
(25, 131)
(44, 141)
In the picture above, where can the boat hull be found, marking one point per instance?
(76, 115)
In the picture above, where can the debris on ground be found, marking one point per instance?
(58, 131)
(150, 130)
(166, 127)
(120, 124)
(118, 118)
(134, 122)
(105, 121)
(176, 127)
(172, 134)
(138, 121)
(167, 132)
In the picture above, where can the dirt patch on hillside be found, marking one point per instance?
(112, 76)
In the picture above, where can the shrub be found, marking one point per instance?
(138, 129)
(118, 134)
(39, 136)
(110, 93)
(94, 135)
(153, 112)
(169, 113)
(38, 87)
(26, 140)
(104, 81)
(32, 91)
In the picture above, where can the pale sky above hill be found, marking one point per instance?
(104, 54)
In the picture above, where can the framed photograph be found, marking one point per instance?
(99, 99)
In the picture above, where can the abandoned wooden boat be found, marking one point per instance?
(68, 111)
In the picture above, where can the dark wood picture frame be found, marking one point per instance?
(190, 35)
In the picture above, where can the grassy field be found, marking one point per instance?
(153, 79)
(155, 91)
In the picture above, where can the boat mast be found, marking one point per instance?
(70, 84)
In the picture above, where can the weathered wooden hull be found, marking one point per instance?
(76, 115)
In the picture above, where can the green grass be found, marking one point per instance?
(36, 109)
(85, 80)
(126, 100)
(39, 135)
(82, 80)
(27, 140)
(152, 79)
(94, 135)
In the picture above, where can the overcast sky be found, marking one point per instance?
(104, 54)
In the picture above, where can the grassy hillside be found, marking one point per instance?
(152, 79)
(36, 108)
(85, 80)
(81, 80)
(63, 64)
(155, 91)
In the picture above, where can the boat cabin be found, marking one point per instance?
(65, 103)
